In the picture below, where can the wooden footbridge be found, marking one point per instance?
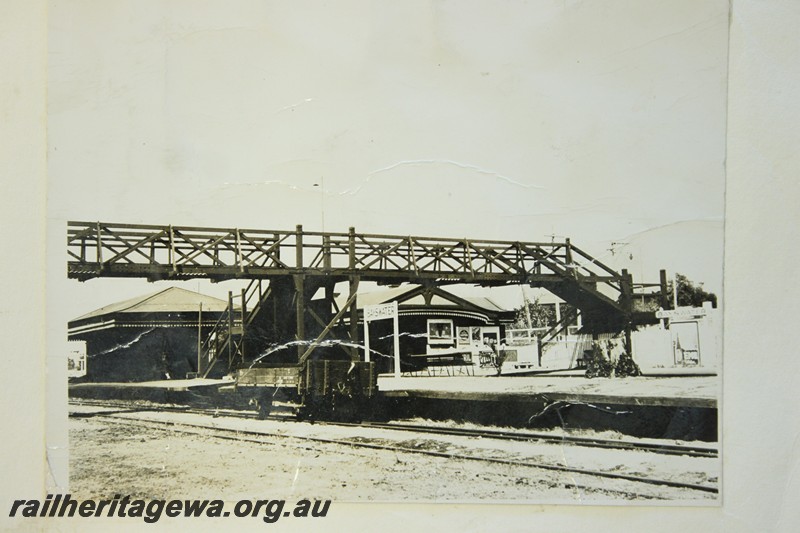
(285, 269)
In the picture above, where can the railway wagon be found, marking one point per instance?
(319, 389)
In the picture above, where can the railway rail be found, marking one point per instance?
(665, 449)
(525, 436)
(123, 412)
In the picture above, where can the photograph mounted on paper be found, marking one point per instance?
(414, 251)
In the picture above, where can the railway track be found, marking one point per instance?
(524, 436)
(665, 449)
(127, 416)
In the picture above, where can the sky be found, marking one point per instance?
(599, 121)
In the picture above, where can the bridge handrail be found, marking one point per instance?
(99, 244)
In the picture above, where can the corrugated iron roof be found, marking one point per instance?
(395, 293)
(169, 300)
(379, 297)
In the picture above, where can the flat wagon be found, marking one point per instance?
(320, 388)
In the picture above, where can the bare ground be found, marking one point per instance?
(111, 457)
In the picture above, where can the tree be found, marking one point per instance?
(599, 363)
(541, 315)
(691, 295)
(626, 366)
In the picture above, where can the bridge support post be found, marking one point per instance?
(628, 341)
(326, 252)
(230, 328)
(200, 340)
(299, 292)
(354, 318)
(539, 348)
(665, 299)
(571, 272)
(243, 318)
(300, 312)
(351, 249)
(626, 284)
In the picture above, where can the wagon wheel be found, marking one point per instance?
(264, 403)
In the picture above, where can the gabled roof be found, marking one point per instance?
(482, 302)
(380, 297)
(413, 295)
(169, 300)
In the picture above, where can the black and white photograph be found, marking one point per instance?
(426, 251)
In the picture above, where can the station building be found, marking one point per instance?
(432, 322)
(150, 337)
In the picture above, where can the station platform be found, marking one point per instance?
(667, 391)
(646, 372)
(683, 391)
(167, 384)
(200, 392)
(660, 407)
(653, 407)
